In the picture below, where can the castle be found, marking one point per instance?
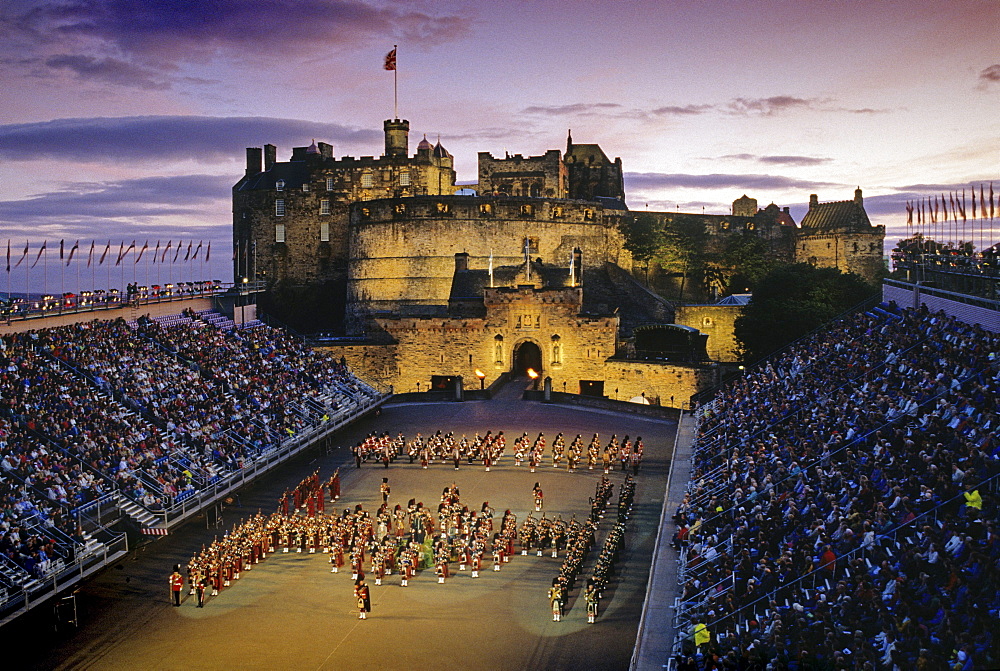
(384, 249)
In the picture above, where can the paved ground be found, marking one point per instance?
(290, 611)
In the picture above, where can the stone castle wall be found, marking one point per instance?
(669, 385)
(718, 323)
(857, 252)
(403, 252)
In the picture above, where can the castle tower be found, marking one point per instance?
(397, 133)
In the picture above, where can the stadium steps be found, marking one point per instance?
(138, 513)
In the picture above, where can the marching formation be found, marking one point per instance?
(407, 539)
(488, 450)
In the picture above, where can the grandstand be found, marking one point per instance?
(146, 421)
(841, 509)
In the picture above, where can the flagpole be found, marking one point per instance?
(395, 85)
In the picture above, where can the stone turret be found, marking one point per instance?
(397, 133)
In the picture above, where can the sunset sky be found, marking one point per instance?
(124, 120)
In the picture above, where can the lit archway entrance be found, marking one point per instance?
(527, 355)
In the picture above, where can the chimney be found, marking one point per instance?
(813, 200)
(461, 262)
(857, 197)
(270, 156)
(253, 160)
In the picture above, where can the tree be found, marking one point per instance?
(685, 241)
(643, 238)
(793, 300)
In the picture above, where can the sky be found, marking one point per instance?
(126, 120)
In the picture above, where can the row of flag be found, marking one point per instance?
(930, 210)
(157, 256)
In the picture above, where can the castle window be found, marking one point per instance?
(305, 188)
(324, 231)
(486, 209)
(279, 207)
(367, 181)
(404, 178)
(329, 183)
(279, 232)
(401, 209)
(557, 211)
(531, 244)
(365, 213)
(588, 215)
(528, 210)
(536, 190)
(324, 206)
(706, 322)
(443, 208)
(366, 196)
(279, 185)
(749, 225)
(725, 225)
(828, 245)
(855, 248)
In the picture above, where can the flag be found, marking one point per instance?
(944, 207)
(61, 257)
(106, 250)
(198, 249)
(937, 209)
(991, 200)
(909, 213)
(23, 256)
(122, 253)
(142, 251)
(982, 202)
(188, 255)
(40, 252)
(72, 251)
(8, 255)
(157, 251)
(390, 60)
(164, 257)
(178, 252)
(951, 197)
(90, 258)
(973, 202)
(961, 207)
(208, 252)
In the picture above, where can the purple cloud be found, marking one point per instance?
(656, 180)
(582, 109)
(681, 110)
(155, 34)
(768, 106)
(132, 207)
(109, 70)
(990, 75)
(168, 138)
(779, 160)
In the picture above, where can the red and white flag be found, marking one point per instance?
(142, 251)
(72, 251)
(93, 243)
(169, 245)
(390, 60)
(105, 254)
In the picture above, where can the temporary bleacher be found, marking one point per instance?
(165, 470)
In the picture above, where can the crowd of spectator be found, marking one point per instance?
(841, 512)
(148, 410)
